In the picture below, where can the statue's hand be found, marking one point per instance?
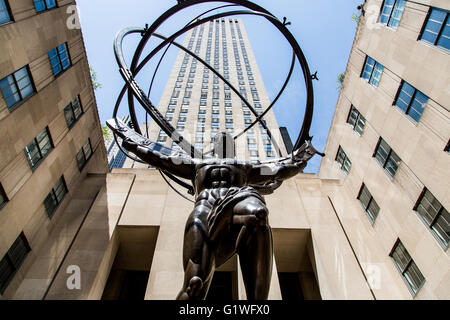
(129, 144)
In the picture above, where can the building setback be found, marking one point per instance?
(372, 225)
(50, 138)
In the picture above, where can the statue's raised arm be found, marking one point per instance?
(154, 154)
(268, 176)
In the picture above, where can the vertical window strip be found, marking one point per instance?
(368, 203)
(17, 87)
(343, 160)
(407, 267)
(437, 28)
(372, 71)
(59, 59)
(84, 155)
(39, 148)
(13, 260)
(356, 120)
(411, 101)
(387, 158)
(392, 12)
(5, 15)
(55, 197)
(435, 217)
(43, 5)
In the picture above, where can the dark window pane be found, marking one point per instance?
(69, 115)
(6, 272)
(365, 197)
(382, 152)
(442, 227)
(414, 277)
(4, 14)
(50, 204)
(401, 256)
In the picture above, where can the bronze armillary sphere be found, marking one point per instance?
(230, 215)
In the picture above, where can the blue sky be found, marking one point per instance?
(323, 28)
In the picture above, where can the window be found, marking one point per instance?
(368, 203)
(436, 29)
(59, 59)
(392, 11)
(387, 158)
(372, 71)
(42, 5)
(73, 112)
(411, 101)
(84, 155)
(447, 147)
(17, 87)
(12, 261)
(39, 148)
(356, 120)
(5, 15)
(55, 197)
(3, 198)
(435, 216)
(407, 267)
(343, 160)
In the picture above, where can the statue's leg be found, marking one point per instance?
(198, 259)
(254, 247)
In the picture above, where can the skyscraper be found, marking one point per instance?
(199, 104)
(50, 137)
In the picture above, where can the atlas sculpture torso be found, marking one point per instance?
(230, 215)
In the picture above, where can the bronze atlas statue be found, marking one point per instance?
(230, 215)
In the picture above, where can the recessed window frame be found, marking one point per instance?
(390, 157)
(13, 261)
(358, 120)
(343, 160)
(392, 18)
(76, 112)
(427, 200)
(16, 82)
(372, 80)
(3, 197)
(7, 9)
(55, 197)
(408, 265)
(82, 153)
(411, 102)
(40, 149)
(371, 208)
(58, 59)
(445, 21)
(46, 5)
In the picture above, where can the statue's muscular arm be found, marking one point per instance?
(180, 166)
(272, 172)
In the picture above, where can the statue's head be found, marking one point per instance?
(224, 147)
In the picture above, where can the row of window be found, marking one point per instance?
(39, 5)
(435, 30)
(19, 86)
(432, 213)
(410, 100)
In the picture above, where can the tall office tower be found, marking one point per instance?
(199, 104)
(389, 144)
(50, 138)
(116, 158)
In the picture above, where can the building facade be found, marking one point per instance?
(389, 145)
(372, 225)
(50, 135)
